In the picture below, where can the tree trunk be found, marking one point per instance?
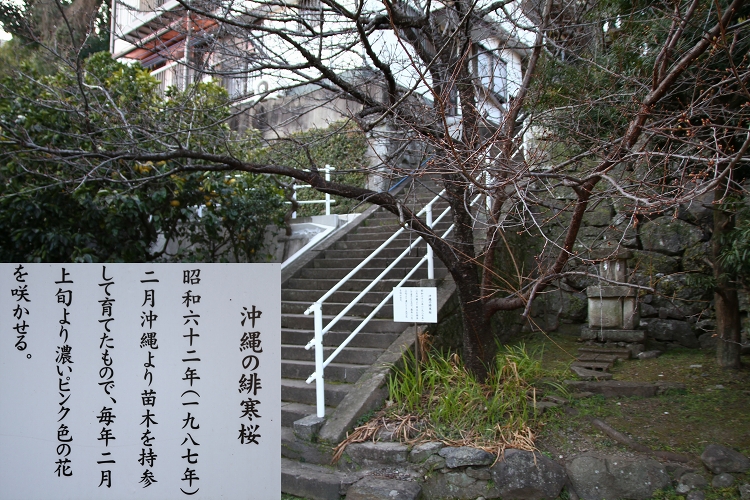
(725, 294)
(479, 345)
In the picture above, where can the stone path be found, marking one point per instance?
(594, 363)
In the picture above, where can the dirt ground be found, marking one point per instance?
(713, 408)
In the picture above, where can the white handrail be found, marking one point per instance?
(317, 306)
(372, 283)
(371, 256)
(328, 201)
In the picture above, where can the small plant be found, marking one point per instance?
(456, 408)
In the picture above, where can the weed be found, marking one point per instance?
(457, 407)
(365, 418)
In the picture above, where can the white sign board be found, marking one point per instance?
(147, 381)
(415, 304)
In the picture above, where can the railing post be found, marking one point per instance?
(430, 261)
(319, 382)
(328, 196)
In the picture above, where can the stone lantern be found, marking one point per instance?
(613, 312)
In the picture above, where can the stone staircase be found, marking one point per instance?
(303, 288)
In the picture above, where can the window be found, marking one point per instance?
(493, 73)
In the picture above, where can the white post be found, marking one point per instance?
(319, 382)
(186, 56)
(294, 198)
(328, 196)
(430, 260)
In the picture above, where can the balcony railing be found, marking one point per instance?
(131, 14)
(171, 75)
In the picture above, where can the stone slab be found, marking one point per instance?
(373, 488)
(465, 455)
(314, 482)
(307, 428)
(720, 459)
(596, 292)
(593, 365)
(587, 374)
(378, 453)
(614, 388)
(612, 335)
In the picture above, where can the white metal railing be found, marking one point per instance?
(170, 75)
(327, 201)
(130, 14)
(317, 307)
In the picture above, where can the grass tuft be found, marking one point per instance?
(454, 407)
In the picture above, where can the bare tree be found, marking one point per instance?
(441, 76)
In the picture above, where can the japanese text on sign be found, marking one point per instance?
(140, 381)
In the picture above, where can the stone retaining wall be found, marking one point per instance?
(432, 470)
(670, 253)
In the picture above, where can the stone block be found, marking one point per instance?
(374, 488)
(423, 451)
(596, 292)
(696, 495)
(456, 485)
(465, 455)
(653, 263)
(723, 480)
(691, 481)
(708, 341)
(599, 478)
(605, 312)
(668, 235)
(672, 330)
(586, 374)
(649, 354)
(526, 475)
(307, 428)
(612, 335)
(600, 215)
(614, 388)
(369, 453)
(720, 459)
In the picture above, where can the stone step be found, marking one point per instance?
(379, 229)
(631, 336)
(353, 355)
(314, 482)
(362, 339)
(311, 296)
(352, 285)
(368, 274)
(291, 412)
(305, 451)
(405, 236)
(336, 372)
(360, 310)
(368, 244)
(620, 353)
(387, 253)
(593, 365)
(587, 374)
(345, 324)
(377, 262)
(297, 391)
